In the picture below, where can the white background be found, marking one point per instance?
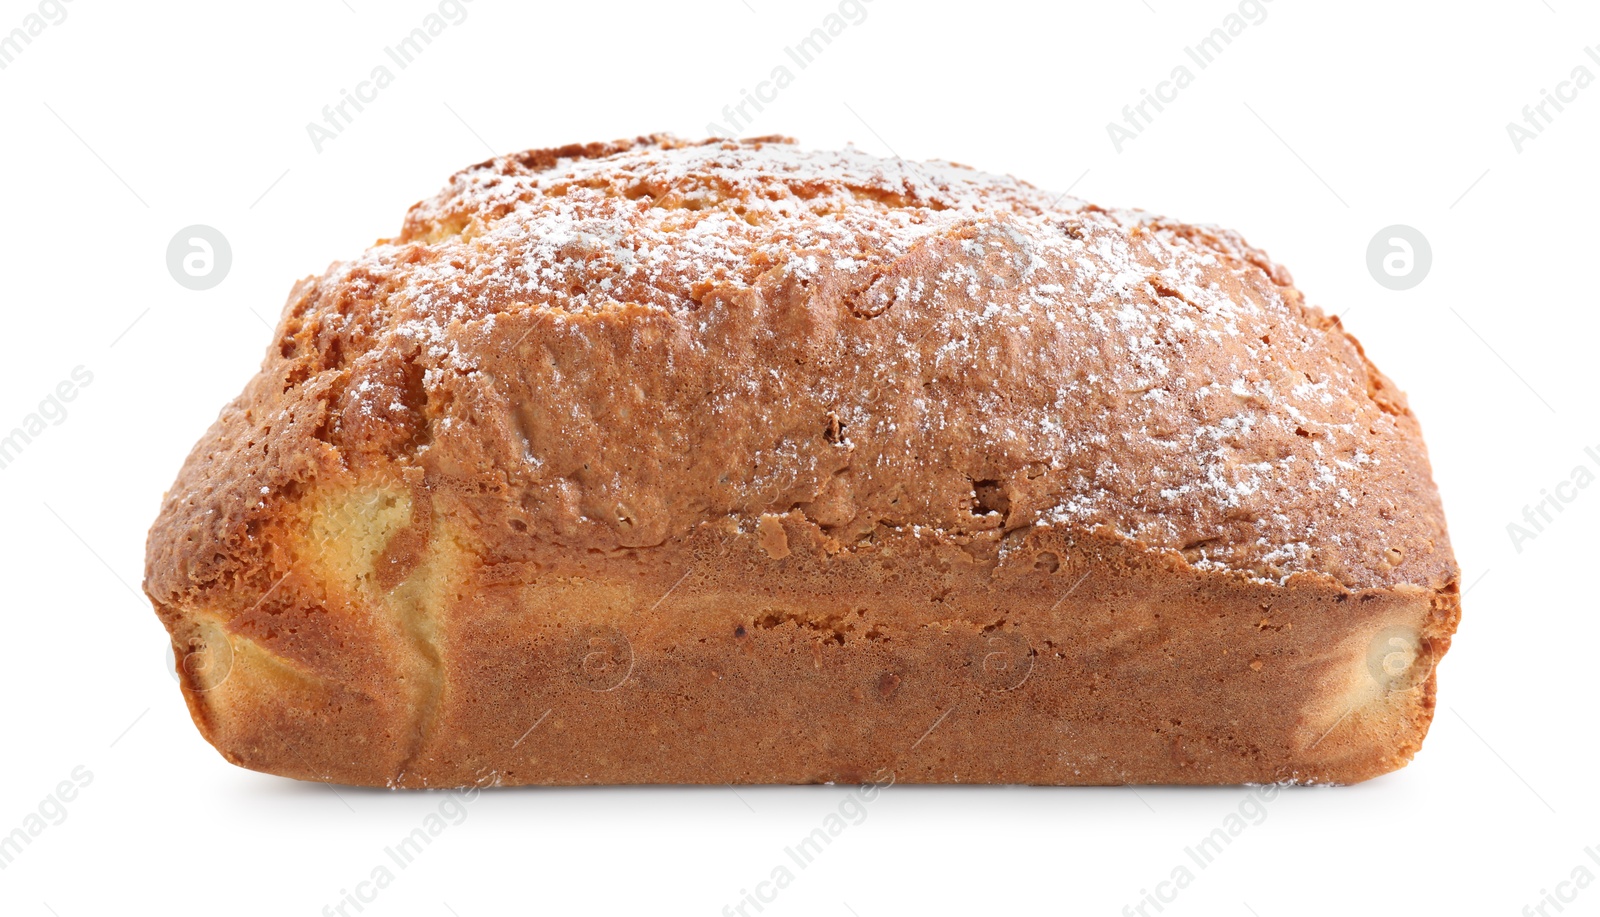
(1314, 129)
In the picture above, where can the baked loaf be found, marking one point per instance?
(729, 462)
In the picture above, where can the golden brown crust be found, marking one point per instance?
(806, 451)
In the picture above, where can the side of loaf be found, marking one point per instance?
(730, 462)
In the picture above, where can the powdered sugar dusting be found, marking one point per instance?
(1110, 368)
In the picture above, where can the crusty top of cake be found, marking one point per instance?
(597, 348)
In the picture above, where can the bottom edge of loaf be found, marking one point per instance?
(1080, 662)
